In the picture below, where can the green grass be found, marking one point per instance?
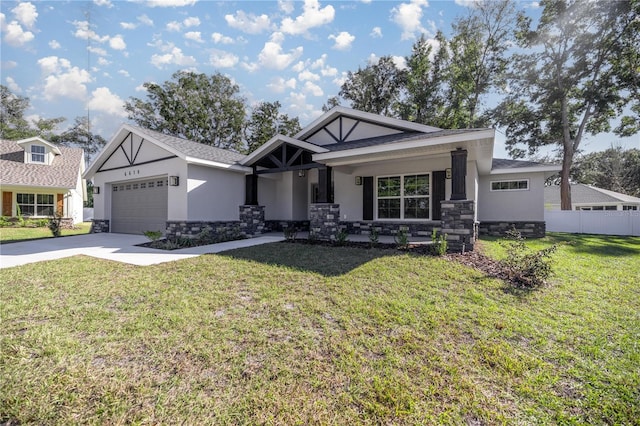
(12, 235)
(299, 334)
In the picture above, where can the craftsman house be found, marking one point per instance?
(39, 179)
(346, 170)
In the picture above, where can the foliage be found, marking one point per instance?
(290, 233)
(11, 233)
(332, 102)
(528, 268)
(342, 237)
(13, 125)
(4, 222)
(402, 238)
(439, 244)
(374, 236)
(79, 136)
(197, 107)
(579, 73)
(153, 235)
(265, 122)
(55, 224)
(614, 169)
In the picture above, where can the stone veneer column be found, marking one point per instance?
(99, 225)
(252, 220)
(459, 224)
(324, 221)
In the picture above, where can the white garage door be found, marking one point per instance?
(138, 206)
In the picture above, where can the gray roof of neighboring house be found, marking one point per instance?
(504, 163)
(395, 138)
(586, 194)
(61, 173)
(193, 149)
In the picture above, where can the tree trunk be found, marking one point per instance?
(565, 186)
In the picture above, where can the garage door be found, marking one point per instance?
(138, 206)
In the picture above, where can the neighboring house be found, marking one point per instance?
(39, 179)
(587, 197)
(347, 170)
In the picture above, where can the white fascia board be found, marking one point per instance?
(106, 151)
(38, 139)
(275, 142)
(533, 169)
(218, 165)
(389, 148)
(334, 112)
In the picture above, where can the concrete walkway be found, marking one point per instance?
(118, 247)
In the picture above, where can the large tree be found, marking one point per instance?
(79, 136)
(266, 121)
(201, 108)
(580, 71)
(614, 169)
(14, 125)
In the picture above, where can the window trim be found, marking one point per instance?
(32, 154)
(528, 188)
(35, 204)
(402, 197)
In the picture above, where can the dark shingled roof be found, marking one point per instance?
(62, 173)
(503, 163)
(395, 138)
(193, 149)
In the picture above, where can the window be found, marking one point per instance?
(510, 185)
(36, 204)
(403, 197)
(37, 154)
(629, 207)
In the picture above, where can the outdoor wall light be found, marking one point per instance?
(358, 180)
(174, 180)
(96, 189)
(301, 173)
(447, 173)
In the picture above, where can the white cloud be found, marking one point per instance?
(407, 16)
(124, 73)
(174, 26)
(532, 5)
(308, 75)
(249, 23)
(26, 14)
(300, 66)
(194, 36)
(145, 20)
(313, 89)
(467, 3)
(54, 44)
(339, 81)
(106, 3)
(222, 59)
(286, 6)
(103, 62)
(312, 16)
(128, 25)
(376, 32)
(219, 38)
(173, 57)
(104, 101)
(279, 84)
(117, 43)
(84, 32)
(342, 41)
(325, 70)
(140, 88)
(400, 62)
(191, 21)
(14, 35)
(12, 85)
(98, 51)
(63, 80)
(271, 55)
(170, 3)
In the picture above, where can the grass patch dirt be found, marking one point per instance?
(13, 235)
(303, 334)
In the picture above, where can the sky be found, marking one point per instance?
(70, 57)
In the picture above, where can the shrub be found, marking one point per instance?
(439, 244)
(342, 237)
(55, 224)
(153, 235)
(523, 266)
(373, 237)
(290, 233)
(402, 239)
(5, 221)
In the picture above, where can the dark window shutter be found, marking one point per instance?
(367, 198)
(438, 195)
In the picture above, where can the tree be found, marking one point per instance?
(614, 169)
(333, 101)
(580, 72)
(80, 136)
(197, 107)
(375, 88)
(265, 122)
(13, 125)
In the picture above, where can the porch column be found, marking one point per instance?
(459, 174)
(325, 194)
(251, 189)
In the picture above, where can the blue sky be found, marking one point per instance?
(67, 56)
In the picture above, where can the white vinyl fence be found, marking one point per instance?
(625, 222)
(87, 214)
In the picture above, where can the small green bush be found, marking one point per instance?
(523, 266)
(402, 239)
(153, 235)
(5, 222)
(290, 233)
(373, 237)
(55, 224)
(439, 243)
(342, 237)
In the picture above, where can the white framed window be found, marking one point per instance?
(510, 185)
(629, 207)
(37, 154)
(403, 197)
(36, 204)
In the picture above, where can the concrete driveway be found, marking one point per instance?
(118, 247)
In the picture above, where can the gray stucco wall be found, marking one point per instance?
(511, 205)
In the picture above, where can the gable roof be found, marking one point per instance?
(191, 152)
(504, 166)
(52, 147)
(587, 194)
(61, 173)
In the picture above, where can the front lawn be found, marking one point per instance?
(15, 234)
(303, 334)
